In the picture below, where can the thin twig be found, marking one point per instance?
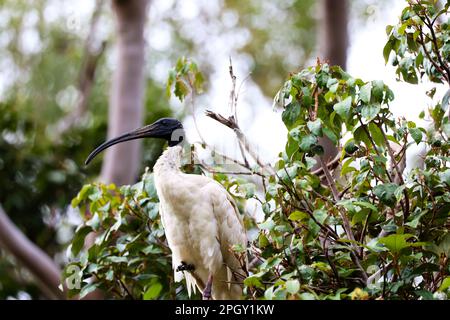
(345, 221)
(233, 108)
(231, 123)
(399, 172)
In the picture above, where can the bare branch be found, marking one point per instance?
(231, 123)
(345, 221)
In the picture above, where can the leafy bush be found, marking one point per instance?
(129, 257)
(363, 230)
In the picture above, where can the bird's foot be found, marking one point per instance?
(185, 267)
(206, 294)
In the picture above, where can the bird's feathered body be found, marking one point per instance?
(201, 223)
(200, 218)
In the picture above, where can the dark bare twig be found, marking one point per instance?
(232, 124)
(436, 49)
(233, 107)
(330, 165)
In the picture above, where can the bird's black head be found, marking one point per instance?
(165, 128)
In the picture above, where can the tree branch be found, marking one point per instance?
(43, 268)
(232, 124)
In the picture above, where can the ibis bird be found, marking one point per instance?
(200, 218)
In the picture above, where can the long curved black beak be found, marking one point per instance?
(145, 132)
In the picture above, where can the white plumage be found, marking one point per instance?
(200, 218)
(201, 223)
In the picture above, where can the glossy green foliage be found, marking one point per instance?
(420, 42)
(372, 231)
(319, 245)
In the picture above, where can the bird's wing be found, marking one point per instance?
(231, 229)
(178, 276)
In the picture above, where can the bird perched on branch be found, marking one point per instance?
(200, 218)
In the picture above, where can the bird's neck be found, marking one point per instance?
(169, 161)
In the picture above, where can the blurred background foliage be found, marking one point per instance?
(41, 54)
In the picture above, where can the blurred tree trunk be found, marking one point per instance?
(333, 34)
(333, 43)
(45, 271)
(122, 162)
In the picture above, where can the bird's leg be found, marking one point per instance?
(185, 267)
(207, 291)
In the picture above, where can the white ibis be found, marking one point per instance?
(200, 218)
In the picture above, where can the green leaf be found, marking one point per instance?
(298, 215)
(377, 91)
(415, 222)
(268, 294)
(290, 114)
(315, 127)
(446, 128)
(292, 286)
(198, 82)
(332, 84)
(153, 291)
(445, 100)
(84, 192)
(377, 134)
(445, 284)
(330, 134)
(78, 239)
(389, 29)
(346, 167)
(320, 215)
(366, 205)
(396, 242)
(343, 108)
(444, 176)
(253, 281)
(181, 89)
(267, 225)
(401, 30)
(88, 289)
(425, 294)
(307, 296)
(306, 142)
(350, 147)
(386, 193)
(387, 51)
(116, 259)
(263, 241)
(416, 134)
(249, 189)
(360, 134)
(365, 92)
(370, 111)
